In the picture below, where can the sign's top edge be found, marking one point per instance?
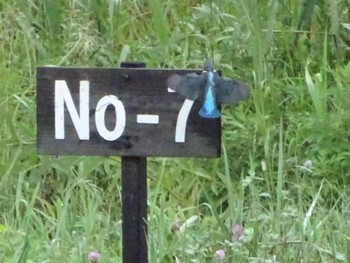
(110, 68)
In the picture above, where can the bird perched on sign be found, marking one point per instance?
(210, 88)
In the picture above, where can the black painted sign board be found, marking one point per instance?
(125, 112)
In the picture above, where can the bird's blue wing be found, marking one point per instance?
(191, 86)
(230, 91)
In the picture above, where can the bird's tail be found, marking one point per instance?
(209, 108)
(209, 114)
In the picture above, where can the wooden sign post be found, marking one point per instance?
(128, 112)
(134, 203)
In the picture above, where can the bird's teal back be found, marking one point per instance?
(209, 109)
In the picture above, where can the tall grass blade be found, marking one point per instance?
(160, 24)
(306, 14)
(124, 53)
(54, 15)
(279, 177)
(271, 24)
(216, 215)
(256, 24)
(311, 208)
(230, 188)
(21, 254)
(314, 91)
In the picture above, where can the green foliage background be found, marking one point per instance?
(295, 56)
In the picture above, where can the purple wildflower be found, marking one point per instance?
(237, 232)
(94, 256)
(220, 254)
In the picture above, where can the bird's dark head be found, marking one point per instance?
(208, 65)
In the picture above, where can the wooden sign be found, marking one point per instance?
(126, 112)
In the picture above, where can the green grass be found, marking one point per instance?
(293, 54)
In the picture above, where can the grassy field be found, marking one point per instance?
(279, 193)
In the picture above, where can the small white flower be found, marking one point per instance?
(307, 166)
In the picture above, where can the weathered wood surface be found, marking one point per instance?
(141, 91)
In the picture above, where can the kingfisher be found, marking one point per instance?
(210, 88)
